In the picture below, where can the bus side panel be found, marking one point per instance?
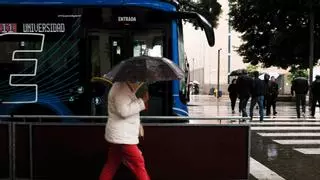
(178, 107)
(56, 67)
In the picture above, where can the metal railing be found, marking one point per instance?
(12, 123)
(149, 118)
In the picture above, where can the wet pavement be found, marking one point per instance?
(282, 147)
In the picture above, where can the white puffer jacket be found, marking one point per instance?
(124, 115)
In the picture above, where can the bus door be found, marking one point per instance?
(117, 54)
(108, 48)
(105, 50)
(120, 47)
(151, 42)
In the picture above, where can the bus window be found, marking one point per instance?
(151, 43)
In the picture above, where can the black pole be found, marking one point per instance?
(193, 68)
(311, 49)
(218, 84)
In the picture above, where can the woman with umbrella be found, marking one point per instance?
(122, 130)
(123, 125)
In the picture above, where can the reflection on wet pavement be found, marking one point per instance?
(282, 147)
(209, 106)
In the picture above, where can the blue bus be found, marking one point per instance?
(50, 50)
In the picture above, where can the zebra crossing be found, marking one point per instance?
(302, 135)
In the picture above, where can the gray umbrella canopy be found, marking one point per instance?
(301, 78)
(145, 69)
(238, 72)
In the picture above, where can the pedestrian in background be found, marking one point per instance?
(233, 94)
(257, 95)
(266, 79)
(272, 95)
(244, 83)
(300, 87)
(315, 90)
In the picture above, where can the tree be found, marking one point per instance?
(275, 32)
(295, 72)
(251, 68)
(210, 9)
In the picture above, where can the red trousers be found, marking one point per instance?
(130, 155)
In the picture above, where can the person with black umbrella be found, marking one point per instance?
(315, 90)
(244, 83)
(300, 87)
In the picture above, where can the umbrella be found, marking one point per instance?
(101, 80)
(145, 69)
(100, 85)
(103, 84)
(301, 78)
(238, 72)
(195, 82)
(274, 74)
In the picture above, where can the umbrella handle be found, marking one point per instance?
(146, 104)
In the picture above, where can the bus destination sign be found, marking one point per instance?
(8, 27)
(44, 28)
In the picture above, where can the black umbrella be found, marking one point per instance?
(238, 72)
(301, 78)
(145, 69)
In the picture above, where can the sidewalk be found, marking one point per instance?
(209, 106)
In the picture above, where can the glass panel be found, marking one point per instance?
(104, 52)
(139, 48)
(184, 95)
(149, 43)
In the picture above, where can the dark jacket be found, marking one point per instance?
(258, 88)
(266, 82)
(232, 89)
(244, 84)
(300, 86)
(273, 90)
(315, 88)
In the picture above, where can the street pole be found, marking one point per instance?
(193, 68)
(218, 84)
(311, 49)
